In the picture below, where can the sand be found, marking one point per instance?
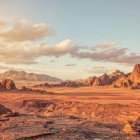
(70, 113)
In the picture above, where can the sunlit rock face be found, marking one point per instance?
(130, 80)
(115, 79)
(135, 75)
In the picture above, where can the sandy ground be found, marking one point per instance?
(70, 113)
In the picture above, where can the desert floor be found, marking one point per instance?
(96, 113)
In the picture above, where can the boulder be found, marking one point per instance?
(7, 84)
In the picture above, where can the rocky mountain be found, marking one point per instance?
(129, 80)
(135, 75)
(91, 81)
(115, 79)
(22, 75)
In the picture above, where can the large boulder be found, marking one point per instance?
(7, 84)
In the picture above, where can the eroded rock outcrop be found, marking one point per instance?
(7, 84)
(135, 75)
(131, 80)
(116, 79)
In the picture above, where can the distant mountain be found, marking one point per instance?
(115, 79)
(22, 75)
(105, 79)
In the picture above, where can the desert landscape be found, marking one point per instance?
(66, 112)
(69, 70)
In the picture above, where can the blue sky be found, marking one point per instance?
(85, 22)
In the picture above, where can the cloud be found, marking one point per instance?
(132, 58)
(106, 44)
(23, 30)
(16, 54)
(2, 24)
(109, 54)
(60, 49)
(71, 65)
(20, 54)
(99, 70)
(28, 53)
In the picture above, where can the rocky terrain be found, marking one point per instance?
(51, 119)
(28, 113)
(89, 112)
(22, 75)
(129, 80)
(115, 79)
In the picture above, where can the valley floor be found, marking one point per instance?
(87, 113)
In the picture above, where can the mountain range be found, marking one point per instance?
(22, 75)
(115, 79)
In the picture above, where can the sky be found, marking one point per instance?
(69, 39)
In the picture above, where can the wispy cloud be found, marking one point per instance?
(107, 44)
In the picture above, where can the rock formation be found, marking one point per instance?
(116, 79)
(101, 81)
(135, 75)
(131, 80)
(7, 84)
